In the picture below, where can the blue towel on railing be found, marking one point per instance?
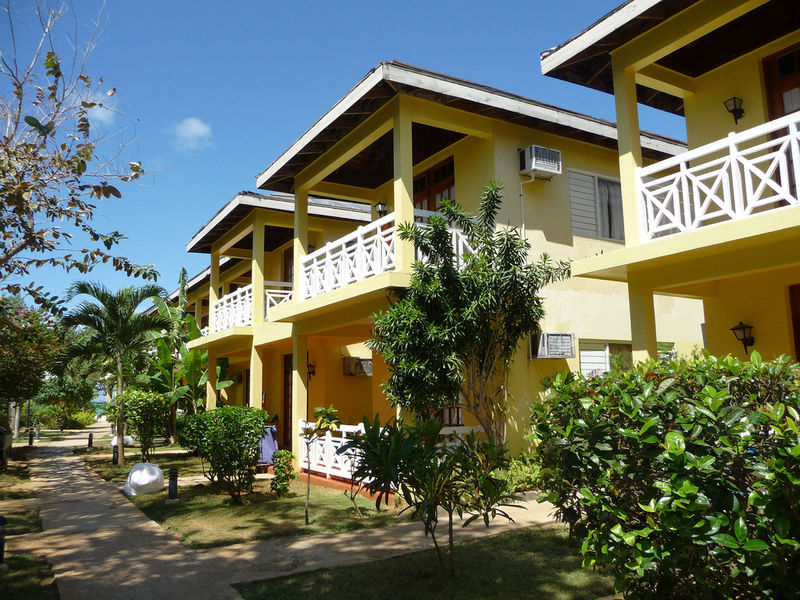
(269, 445)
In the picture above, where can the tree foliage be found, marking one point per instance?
(51, 170)
(28, 346)
(147, 413)
(113, 328)
(680, 477)
(450, 338)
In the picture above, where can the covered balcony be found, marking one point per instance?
(236, 309)
(745, 174)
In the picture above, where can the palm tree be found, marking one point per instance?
(114, 329)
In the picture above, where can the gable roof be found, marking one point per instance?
(388, 79)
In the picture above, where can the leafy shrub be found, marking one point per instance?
(229, 438)
(146, 413)
(81, 419)
(283, 468)
(457, 478)
(522, 474)
(681, 477)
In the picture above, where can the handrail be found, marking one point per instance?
(350, 237)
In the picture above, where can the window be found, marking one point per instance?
(452, 416)
(434, 184)
(595, 206)
(597, 358)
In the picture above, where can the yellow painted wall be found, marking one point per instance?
(760, 300)
(706, 117)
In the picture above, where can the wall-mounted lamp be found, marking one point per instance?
(734, 106)
(744, 333)
(380, 208)
(311, 369)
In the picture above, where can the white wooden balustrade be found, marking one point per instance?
(747, 173)
(236, 309)
(323, 451)
(457, 238)
(368, 251)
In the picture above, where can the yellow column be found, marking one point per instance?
(300, 238)
(643, 322)
(403, 184)
(198, 312)
(299, 388)
(630, 148)
(257, 270)
(256, 377)
(213, 289)
(211, 384)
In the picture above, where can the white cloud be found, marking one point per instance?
(192, 134)
(102, 115)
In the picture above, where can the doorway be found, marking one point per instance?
(782, 80)
(794, 302)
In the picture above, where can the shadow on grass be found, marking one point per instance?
(534, 563)
(29, 578)
(23, 522)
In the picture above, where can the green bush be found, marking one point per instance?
(229, 438)
(146, 413)
(81, 419)
(680, 477)
(283, 469)
(522, 474)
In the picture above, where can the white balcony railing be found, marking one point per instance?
(236, 309)
(368, 251)
(460, 244)
(747, 173)
(323, 451)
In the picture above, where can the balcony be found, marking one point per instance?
(368, 251)
(236, 309)
(747, 173)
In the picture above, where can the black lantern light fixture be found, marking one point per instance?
(734, 106)
(380, 208)
(744, 333)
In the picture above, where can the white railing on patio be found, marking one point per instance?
(368, 251)
(236, 309)
(204, 331)
(323, 451)
(747, 173)
(457, 238)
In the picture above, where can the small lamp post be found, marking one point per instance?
(734, 106)
(744, 334)
(3, 523)
(115, 455)
(91, 440)
(172, 496)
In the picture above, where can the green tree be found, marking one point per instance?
(147, 413)
(112, 328)
(51, 168)
(451, 336)
(28, 345)
(66, 394)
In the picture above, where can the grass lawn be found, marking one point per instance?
(205, 517)
(99, 459)
(23, 522)
(28, 578)
(533, 563)
(13, 481)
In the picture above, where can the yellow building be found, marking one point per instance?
(297, 272)
(719, 222)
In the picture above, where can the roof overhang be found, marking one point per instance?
(389, 79)
(244, 203)
(586, 58)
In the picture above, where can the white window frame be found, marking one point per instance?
(595, 177)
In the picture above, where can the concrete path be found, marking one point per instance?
(102, 547)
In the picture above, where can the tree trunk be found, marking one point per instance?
(450, 557)
(120, 418)
(308, 470)
(13, 417)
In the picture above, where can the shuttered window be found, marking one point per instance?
(595, 206)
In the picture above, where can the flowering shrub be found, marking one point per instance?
(283, 469)
(682, 478)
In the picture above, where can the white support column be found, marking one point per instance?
(300, 239)
(403, 184)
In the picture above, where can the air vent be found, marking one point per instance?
(552, 345)
(538, 162)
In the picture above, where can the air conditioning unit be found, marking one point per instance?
(355, 366)
(552, 345)
(538, 162)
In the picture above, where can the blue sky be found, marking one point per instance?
(211, 93)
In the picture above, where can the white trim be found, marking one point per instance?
(554, 58)
(314, 210)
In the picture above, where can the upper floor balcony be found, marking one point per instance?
(236, 309)
(746, 174)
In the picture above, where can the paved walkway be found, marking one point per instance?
(102, 547)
